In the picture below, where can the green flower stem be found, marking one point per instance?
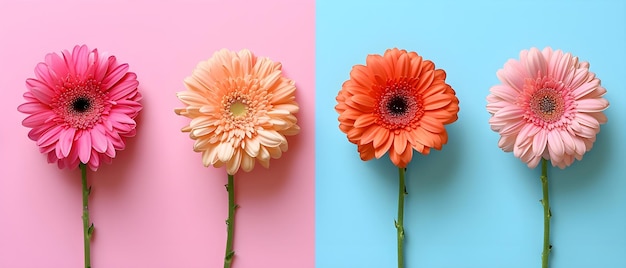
(400, 222)
(87, 228)
(230, 222)
(547, 214)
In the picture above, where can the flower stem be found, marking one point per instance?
(230, 222)
(547, 214)
(400, 222)
(87, 228)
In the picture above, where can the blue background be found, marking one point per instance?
(470, 204)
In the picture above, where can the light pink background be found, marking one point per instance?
(156, 205)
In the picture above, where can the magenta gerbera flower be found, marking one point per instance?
(81, 106)
(549, 106)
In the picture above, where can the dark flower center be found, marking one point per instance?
(81, 104)
(397, 105)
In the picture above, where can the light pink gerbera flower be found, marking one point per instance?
(549, 105)
(81, 106)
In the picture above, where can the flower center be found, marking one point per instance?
(243, 109)
(398, 105)
(238, 108)
(81, 104)
(547, 104)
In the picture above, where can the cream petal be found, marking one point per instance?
(252, 146)
(264, 156)
(247, 162)
(233, 165)
(225, 151)
(270, 138)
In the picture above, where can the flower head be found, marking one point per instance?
(241, 108)
(81, 106)
(396, 103)
(549, 105)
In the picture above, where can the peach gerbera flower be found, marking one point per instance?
(81, 106)
(549, 105)
(396, 103)
(241, 107)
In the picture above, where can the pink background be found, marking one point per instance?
(156, 205)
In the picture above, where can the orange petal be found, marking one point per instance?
(400, 143)
(366, 152)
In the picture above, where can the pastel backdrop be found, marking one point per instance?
(156, 205)
(469, 205)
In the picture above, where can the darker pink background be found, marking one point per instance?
(156, 205)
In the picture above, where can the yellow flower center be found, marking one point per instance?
(238, 109)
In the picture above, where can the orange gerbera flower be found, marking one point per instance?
(396, 103)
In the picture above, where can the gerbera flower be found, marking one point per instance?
(81, 107)
(549, 105)
(396, 103)
(241, 107)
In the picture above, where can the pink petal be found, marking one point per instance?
(540, 140)
(114, 76)
(84, 146)
(102, 65)
(585, 89)
(505, 93)
(40, 90)
(592, 105)
(80, 56)
(587, 120)
(110, 149)
(563, 66)
(555, 144)
(32, 107)
(121, 122)
(568, 141)
(536, 64)
(69, 62)
(66, 140)
(127, 86)
(50, 137)
(512, 75)
(57, 67)
(94, 161)
(43, 73)
(38, 119)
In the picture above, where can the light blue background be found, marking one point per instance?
(469, 205)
